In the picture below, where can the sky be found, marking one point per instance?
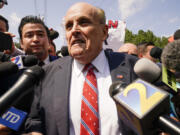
(162, 17)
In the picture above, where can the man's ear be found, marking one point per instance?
(105, 32)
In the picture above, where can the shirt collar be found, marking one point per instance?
(47, 60)
(99, 62)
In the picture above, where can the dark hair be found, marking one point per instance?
(64, 51)
(34, 20)
(177, 34)
(171, 55)
(143, 46)
(6, 22)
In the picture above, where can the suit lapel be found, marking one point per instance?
(118, 69)
(61, 96)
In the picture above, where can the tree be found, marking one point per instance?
(143, 36)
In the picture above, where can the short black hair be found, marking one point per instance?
(34, 20)
(6, 22)
(143, 46)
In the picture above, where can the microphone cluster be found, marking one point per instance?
(144, 107)
(23, 73)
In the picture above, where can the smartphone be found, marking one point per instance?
(5, 42)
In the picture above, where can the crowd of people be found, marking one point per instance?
(73, 96)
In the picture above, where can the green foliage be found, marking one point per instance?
(17, 45)
(143, 36)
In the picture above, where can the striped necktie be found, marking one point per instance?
(89, 104)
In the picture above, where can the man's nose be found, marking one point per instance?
(35, 38)
(76, 30)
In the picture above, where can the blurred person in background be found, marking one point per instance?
(144, 49)
(2, 3)
(4, 27)
(175, 36)
(129, 48)
(52, 47)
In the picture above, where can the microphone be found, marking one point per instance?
(53, 34)
(156, 74)
(4, 57)
(116, 87)
(24, 61)
(10, 77)
(147, 70)
(30, 77)
(64, 51)
(156, 52)
(7, 68)
(164, 79)
(144, 108)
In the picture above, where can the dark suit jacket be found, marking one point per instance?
(50, 110)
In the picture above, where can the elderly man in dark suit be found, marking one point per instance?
(73, 98)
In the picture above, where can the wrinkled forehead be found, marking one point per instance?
(80, 10)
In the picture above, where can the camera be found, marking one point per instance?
(5, 42)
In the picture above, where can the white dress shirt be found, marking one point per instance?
(47, 60)
(107, 109)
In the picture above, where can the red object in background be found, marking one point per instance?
(112, 24)
(170, 39)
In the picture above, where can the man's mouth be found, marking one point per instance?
(78, 41)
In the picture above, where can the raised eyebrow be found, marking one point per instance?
(83, 18)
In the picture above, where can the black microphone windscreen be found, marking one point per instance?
(4, 57)
(64, 51)
(156, 52)
(53, 34)
(8, 68)
(36, 71)
(30, 60)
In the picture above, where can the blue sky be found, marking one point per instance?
(160, 16)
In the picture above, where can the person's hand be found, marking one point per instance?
(13, 46)
(5, 130)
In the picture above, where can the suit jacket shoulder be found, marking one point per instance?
(121, 66)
